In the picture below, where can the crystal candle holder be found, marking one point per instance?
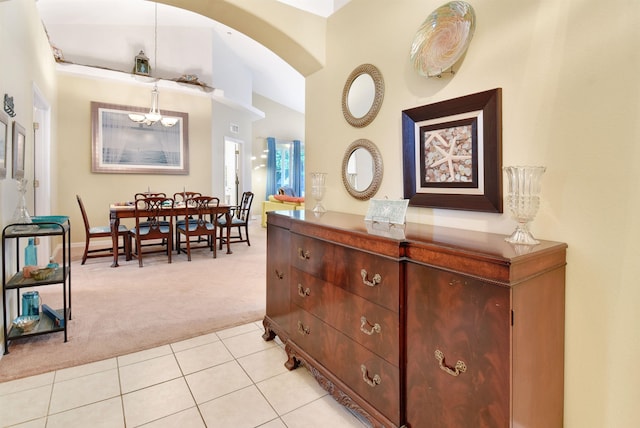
(21, 214)
(523, 200)
(318, 190)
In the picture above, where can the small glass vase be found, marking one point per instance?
(318, 190)
(21, 214)
(523, 200)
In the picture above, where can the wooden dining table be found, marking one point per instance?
(118, 211)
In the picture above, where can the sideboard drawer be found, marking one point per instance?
(371, 325)
(373, 277)
(312, 256)
(371, 377)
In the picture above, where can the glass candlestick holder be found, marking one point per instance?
(21, 214)
(523, 200)
(318, 190)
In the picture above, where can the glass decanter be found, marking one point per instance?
(318, 190)
(523, 200)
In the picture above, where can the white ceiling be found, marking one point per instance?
(80, 29)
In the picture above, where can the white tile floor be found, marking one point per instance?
(231, 378)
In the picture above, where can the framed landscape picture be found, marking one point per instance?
(452, 153)
(120, 145)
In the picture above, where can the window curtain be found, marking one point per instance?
(296, 168)
(271, 167)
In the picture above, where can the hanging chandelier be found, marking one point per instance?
(154, 114)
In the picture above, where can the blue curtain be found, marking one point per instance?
(271, 167)
(296, 168)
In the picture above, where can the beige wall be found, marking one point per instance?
(27, 64)
(569, 72)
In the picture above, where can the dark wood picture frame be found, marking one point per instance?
(19, 147)
(479, 117)
(4, 137)
(141, 149)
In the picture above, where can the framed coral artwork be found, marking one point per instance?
(452, 153)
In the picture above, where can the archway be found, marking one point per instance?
(259, 29)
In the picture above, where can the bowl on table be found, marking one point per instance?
(26, 323)
(42, 274)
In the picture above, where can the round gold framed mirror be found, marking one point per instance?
(362, 169)
(362, 95)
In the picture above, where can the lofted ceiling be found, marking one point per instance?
(103, 33)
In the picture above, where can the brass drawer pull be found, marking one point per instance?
(302, 292)
(302, 329)
(303, 255)
(375, 281)
(279, 274)
(460, 366)
(375, 380)
(375, 328)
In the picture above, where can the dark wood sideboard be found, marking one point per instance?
(439, 327)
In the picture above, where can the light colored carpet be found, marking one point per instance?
(121, 310)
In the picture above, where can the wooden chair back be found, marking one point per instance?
(85, 219)
(183, 196)
(152, 211)
(198, 209)
(243, 211)
(143, 195)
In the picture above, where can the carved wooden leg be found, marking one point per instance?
(269, 334)
(292, 361)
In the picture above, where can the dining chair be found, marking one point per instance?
(143, 195)
(198, 214)
(102, 232)
(240, 216)
(149, 213)
(180, 198)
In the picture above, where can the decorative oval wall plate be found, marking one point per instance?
(443, 38)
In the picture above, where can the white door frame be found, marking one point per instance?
(41, 165)
(233, 170)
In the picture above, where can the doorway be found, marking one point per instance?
(233, 170)
(41, 162)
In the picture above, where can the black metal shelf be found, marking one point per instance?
(45, 326)
(19, 281)
(60, 276)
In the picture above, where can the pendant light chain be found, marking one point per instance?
(154, 114)
(155, 38)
